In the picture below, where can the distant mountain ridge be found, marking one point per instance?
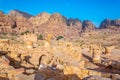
(17, 13)
(110, 24)
(44, 23)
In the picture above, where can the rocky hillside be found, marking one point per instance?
(17, 13)
(75, 23)
(39, 19)
(88, 26)
(110, 24)
(44, 23)
(6, 23)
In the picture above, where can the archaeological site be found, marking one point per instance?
(54, 47)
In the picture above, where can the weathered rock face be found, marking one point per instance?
(22, 25)
(74, 28)
(115, 22)
(45, 18)
(45, 24)
(57, 19)
(75, 23)
(54, 24)
(17, 13)
(105, 23)
(110, 24)
(88, 26)
(21, 20)
(6, 23)
(72, 32)
(54, 30)
(39, 19)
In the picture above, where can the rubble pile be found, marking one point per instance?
(54, 60)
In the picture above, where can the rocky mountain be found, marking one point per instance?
(15, 22)
(44, 23)
(16, 13)
(75, 23)
(22, 25)
(88, 26)
(6, 23)
(57, 19)
(21, 20)
(39, 19)
(110, 24)
(54, 24)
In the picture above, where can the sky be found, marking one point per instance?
(94, 10)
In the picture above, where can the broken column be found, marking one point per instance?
(91, 48)
(108, 50)
(96, 56)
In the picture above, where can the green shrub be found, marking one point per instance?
(4, 33)
(26, 32)
(40, 37)
(59, 37)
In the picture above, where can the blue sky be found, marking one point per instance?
(94, 10)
